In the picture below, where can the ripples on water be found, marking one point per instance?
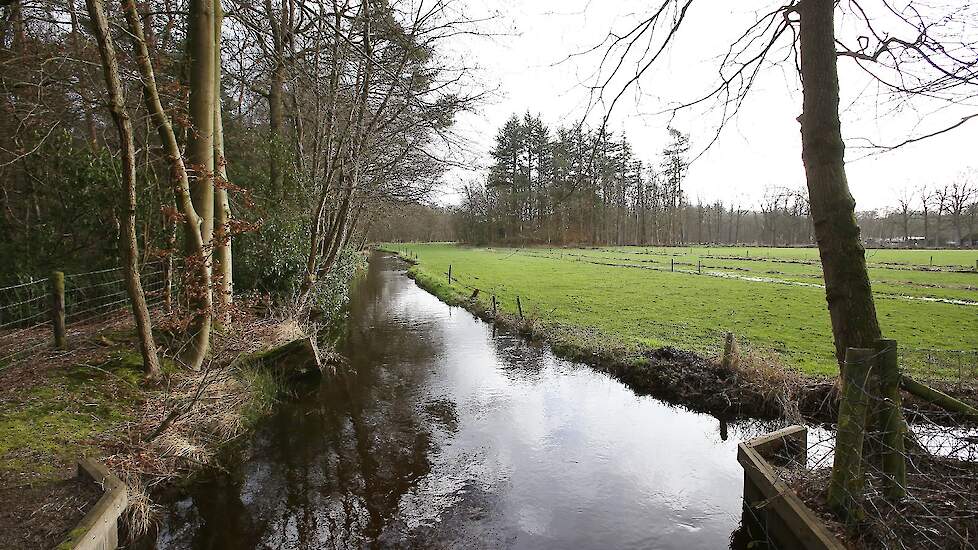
(443, 434)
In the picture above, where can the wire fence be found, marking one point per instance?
(892, 473)
(27, 310)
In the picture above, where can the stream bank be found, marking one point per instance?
(444, 431)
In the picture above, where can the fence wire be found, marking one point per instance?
(26, 309)
(940, 506)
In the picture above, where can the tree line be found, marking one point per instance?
(158, 130)
(577, 186)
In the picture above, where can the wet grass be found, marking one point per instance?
(570, 290)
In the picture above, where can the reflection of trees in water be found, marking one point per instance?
(330, 470)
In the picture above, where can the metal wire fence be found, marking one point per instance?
(27, 309)
(914, 487)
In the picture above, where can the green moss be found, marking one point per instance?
(266, 389)
(73, 537)
(60, 419)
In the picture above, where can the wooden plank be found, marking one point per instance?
(796, 525)
(99, 529)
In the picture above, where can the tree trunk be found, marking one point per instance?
(847, 287)
(128, 242)
(222, 239)
(200, 154)
(197, 350)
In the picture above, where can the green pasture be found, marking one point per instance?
(638, 300)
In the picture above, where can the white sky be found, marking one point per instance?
(762, 147)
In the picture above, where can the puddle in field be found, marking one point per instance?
(442, 434)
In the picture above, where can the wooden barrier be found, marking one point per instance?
(786, 519)
(99, 529)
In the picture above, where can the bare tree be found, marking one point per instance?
(931, 61)
(926, 199)
(958, 201)
(128, 242)
(905, 209)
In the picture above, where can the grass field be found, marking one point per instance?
(689, 297)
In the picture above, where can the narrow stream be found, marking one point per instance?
(442, 433)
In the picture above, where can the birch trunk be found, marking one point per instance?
(222, 238)
(128, 243)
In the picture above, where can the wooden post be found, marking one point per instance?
(699, 266)
(493, 305)
(449, 273)
(519, 307)
(731, 355)
(58, 309)
(893, 426)
(672, 264)
(846, 484)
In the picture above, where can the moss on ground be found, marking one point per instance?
(62, 416)
(70, 411)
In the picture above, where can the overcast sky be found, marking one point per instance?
(761, 147)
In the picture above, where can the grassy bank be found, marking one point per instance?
(95, 402)
(631, 299)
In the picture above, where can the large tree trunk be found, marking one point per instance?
(847, 287)
(222, 239)
(128, 243)
(197, 350)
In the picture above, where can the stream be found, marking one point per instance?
(443, 432)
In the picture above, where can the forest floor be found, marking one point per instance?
(657, 317)
(93, 401)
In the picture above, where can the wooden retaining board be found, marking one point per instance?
(782, 514)
(99, 529)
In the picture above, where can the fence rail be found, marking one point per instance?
(29, 310)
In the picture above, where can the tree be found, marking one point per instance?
(959, 198)
(128, 241)
(924, 64)
(197, 263)
(905, 202)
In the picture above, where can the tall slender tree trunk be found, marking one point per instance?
(128, 243)
(847, 286)
(223, 273)
(200, 155)
(193, 223)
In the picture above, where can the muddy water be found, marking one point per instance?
(444, 434)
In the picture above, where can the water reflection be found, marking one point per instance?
(442, 434)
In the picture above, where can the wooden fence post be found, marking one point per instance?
(731, 354)
(58, 309)
(519, 307)
(846, 483)
(893, 426)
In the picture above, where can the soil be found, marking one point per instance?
(42, 516)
